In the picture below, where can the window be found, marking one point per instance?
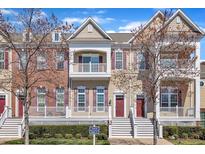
(141, 60)
(56, 36)
(22, 59)
(118, 60)
(168, 63)
(90, 63)
(1, 59)
(41, 99)
(81, 99)
(41, 61)
(90, 28)
(178, 20)
(100, 97)
(60, 60)
(169, 97)
(202, 114)
(27, 36)
(60, 99)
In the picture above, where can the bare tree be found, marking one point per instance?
(29, 39)
(152, 45)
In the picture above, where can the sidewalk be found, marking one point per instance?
(140, 141)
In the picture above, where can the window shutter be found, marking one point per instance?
(35, 98)
(75, 99)
(147, 61)
(65, 97)
(80, 59)
(179, 98)
(46, 97)
(6, 60)
(94, 99)
(87, 98)
(106, 99)
(136, 61)
(113, 60)
(101, 59)
(124, 60)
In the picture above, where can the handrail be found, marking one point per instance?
(132, 119)
(4, 115)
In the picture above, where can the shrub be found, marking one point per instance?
(176, 136)
(47, 135)
(202, 135)
(170, 131)
(78, 136)
(184, 136)
(58, 136)
(68, 136)
(101, 136)
(39, 130)
(32, 136)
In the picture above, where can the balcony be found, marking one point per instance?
(177, 67)
(98, 70)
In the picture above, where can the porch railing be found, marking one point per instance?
(177, 112)
(176, 63)
(89, 67)
(4, 115)
(68, 112)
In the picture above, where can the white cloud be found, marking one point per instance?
(8, 12)
(101, 12)
(99, 20)
(110, 31)
(71, 20)
(130, 26)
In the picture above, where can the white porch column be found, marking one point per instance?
(108, 55)
(197, 83)
(110, 112)
(71, 59)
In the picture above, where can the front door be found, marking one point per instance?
(140, 107)
(119, 106)
(20, 106)
(2, 103)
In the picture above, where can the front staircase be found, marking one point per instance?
(10, 128)
(123, 128)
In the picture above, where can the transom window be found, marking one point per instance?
(41, 61)
(118, 60)
(41, 99)
(81, 99)
(60, 60)
(60, 99)
(169, 97)
(1, 59)
(100, 97)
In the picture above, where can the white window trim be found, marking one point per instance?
(169, 95)
(100, 87)
(38, 101)
(59, 61)
(61, 107)
(1, 50)
(178, 20)
(90, 28)
(46, 62)
(119, 51)
(138, 59)
(81, 87)
(53, 36)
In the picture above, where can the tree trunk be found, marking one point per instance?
(26, 116)
(155, 135)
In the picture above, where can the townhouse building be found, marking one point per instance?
(87, 94)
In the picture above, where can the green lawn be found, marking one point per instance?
(188, 142)
(54, 141)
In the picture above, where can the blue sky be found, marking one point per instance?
(116, 20)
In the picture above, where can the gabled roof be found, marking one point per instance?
(147, 24)
(180, 13)
(85, 23)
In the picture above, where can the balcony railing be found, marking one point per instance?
(177, 112)
(176, 63)
(89, 67)
(68, 112)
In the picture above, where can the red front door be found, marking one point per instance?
(2, 103)
(119, 106)
(140, 107)
(20, 106)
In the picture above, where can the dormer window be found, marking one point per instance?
(90, 28)
(27, 36)
(56, 36)
(178, 20)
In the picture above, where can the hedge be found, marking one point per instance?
(51, 130)
(183, 131)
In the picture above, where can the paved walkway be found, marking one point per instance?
(141, 141)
